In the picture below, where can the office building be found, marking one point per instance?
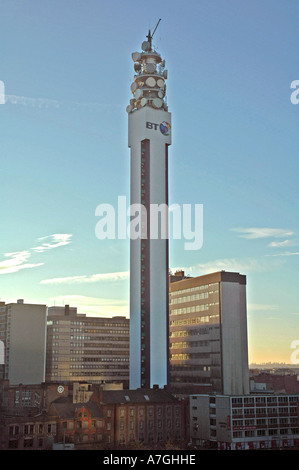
(237, 422)
(149, 129)
(23, 332)
(208, 334)
(82, 348)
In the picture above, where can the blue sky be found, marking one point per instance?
(67, 70)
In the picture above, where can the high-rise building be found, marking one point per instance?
(208, 334)
(82, 348)
(23, 333)
(149, 124)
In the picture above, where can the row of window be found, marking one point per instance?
(264, 421)
(265, 410)
(189, 344)
(193, 332)
(193, 309)
(194, 321)
(29, 429)
(150, 424)
(263, 432)
(212, 287)
(186, 356)
(263, 399)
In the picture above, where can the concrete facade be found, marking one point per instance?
(82, 348)
(208, 334)
(261, 421)
(23, 327)
(148, 140)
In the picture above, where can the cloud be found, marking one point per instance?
(116, 276)
(263, 232)
(226, 264)
(281, 244)
(261, 307)
(17, 261)
(50, 103)
(95, 305)
(55, 241)
(286, 253)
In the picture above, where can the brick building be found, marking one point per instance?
(279, 383)
(116, 418)
(27, 432)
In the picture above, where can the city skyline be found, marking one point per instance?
(64, 151)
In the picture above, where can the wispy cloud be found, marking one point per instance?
(83, 279)
(286, 253)
(227, 264)
(261, 307)
(55, 104)
(54, 241)
(280, 244)
(16, 261)
(283, 244)
(263, 232)
(94, 305)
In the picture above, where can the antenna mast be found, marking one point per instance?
(150, 36)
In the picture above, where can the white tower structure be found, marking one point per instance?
(149, 126)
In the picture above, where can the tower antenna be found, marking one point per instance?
(150, 36)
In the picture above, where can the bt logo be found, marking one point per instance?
(164, 127)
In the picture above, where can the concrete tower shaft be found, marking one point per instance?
(149, 125)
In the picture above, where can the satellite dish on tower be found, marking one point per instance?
(150, 68)
(138, 94)
(157, 103)
(134, 87)
(151, 82)
(136, 56)
(146, 46)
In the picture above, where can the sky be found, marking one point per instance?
(67, 69)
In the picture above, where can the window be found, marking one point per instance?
(13, 444)
(28, 443)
